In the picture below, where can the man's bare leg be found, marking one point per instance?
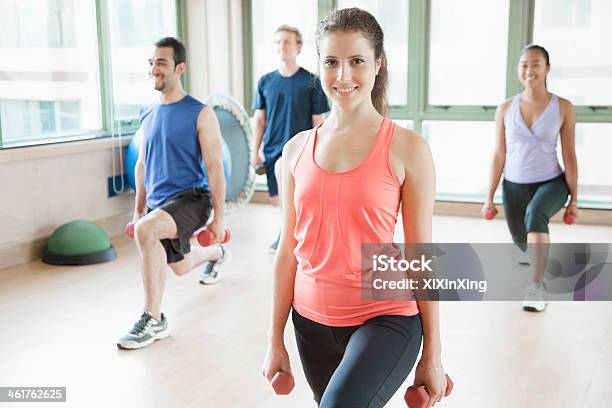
(148, 232)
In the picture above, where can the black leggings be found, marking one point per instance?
(528, 207)
(357, 366)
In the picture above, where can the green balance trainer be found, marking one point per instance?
(78, 243)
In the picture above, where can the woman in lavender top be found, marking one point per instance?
(535, 187)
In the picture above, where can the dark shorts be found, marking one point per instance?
(272, 182)
(357, 366)
(190, 210)
(528, 207)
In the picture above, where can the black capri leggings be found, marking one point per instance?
(528, 207)
(357, 366)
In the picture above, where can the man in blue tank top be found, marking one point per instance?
(287, 101)
(174, 197)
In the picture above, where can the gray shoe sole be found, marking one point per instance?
(133, 345)
(533, 309)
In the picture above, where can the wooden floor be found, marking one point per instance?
(59, 326)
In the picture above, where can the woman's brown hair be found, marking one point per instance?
(357, 20)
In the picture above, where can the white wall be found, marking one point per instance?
(44, 187)
(214, 48)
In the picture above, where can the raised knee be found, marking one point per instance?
(143, 232)
(536, 220)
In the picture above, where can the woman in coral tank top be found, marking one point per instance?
(342, 185)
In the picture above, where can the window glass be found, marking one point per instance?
(462, 154)
(268, 15)
(392, 15)
(573, 32)
(468, 52)
(135, 26)
(49, 79)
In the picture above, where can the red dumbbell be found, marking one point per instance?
(569, 219)
(206, 238)
(416, 397)
(490, 213)
(282, 383)
(129, 229)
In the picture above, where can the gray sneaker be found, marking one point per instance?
(145, 331)
(210, 274)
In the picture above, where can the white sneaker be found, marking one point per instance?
(210, 275)
(535, 297)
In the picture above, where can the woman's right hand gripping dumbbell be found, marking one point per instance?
(277, 369)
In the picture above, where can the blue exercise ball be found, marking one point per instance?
(133, 149)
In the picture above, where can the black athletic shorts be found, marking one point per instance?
(190, 210)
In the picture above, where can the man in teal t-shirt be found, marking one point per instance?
(287, 101)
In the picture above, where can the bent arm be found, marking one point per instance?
(418, 195)
(209, 138)
(139, 171)
(568, 150)
(499, 154)
(285, 263)
(259, 127)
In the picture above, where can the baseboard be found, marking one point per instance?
(585, 216)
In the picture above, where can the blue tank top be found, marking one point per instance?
(173, 159)
(531, 152)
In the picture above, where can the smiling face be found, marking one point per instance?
(532, 69)
(162, 70)
(348, 68)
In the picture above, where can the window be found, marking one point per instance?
(268, 15)
(567, 13)
(593, 147)
(49, 77)
(468, 52)
(31, 120)
(392, 15)
(37, 23)
(134, 27)
(573, 32)
(462, 154)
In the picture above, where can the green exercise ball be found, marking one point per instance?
(78, 243)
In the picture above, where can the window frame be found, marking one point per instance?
(109, 127)
(417, 109)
